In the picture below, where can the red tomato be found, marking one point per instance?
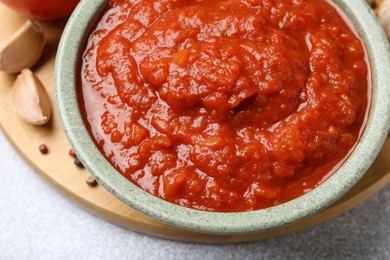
(43, 9)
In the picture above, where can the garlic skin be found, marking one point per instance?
(23, 49)
(384, 16)
(30, 99)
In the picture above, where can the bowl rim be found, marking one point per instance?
(372, 140)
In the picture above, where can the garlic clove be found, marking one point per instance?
(23, 49)
(30, 99)
(384, 16)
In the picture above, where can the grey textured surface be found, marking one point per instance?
(37, 222)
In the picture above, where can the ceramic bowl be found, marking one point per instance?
(66, 74)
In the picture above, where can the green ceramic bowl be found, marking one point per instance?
(66, 74)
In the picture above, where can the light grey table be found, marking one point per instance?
(37, 222)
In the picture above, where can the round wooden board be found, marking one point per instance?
(58, 168)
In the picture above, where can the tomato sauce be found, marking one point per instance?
(225, 105)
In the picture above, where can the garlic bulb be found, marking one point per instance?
(30, 99)
(23, 49)
(384, 16)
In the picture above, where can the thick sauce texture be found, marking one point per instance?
(225, 105)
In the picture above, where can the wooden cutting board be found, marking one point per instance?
(58, 168)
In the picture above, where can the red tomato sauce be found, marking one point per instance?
(225, 105)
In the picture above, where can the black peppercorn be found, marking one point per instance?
(78, 163)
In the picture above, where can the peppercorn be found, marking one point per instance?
(372, 4)
(78, 163)
(72, 153)
(43, 149)
(91, 181)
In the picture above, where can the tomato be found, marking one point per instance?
(43, 9)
